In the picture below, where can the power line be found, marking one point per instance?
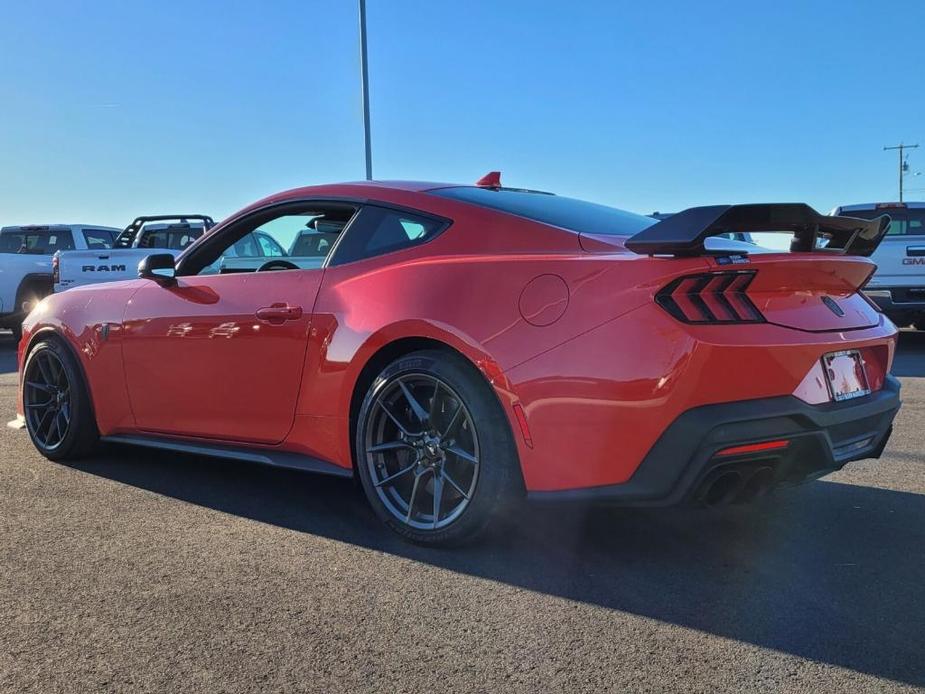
(901, 147)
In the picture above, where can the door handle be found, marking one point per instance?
(279, 313)
(915, 251)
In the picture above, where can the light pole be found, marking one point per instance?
(901, 147)
(364, 91)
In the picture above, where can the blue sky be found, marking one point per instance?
(113, 109)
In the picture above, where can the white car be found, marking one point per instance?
(145, 235)
(26, 262)
(898, 285)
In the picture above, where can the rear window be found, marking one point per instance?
(568, 213)
(175, 239)
(903, 221)
(99, 239)
(36, 241)
(379, 230)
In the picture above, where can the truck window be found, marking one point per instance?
(172, 239)
(36, 242)
(98, 239)
(903, 222)
(269, 246)
(247, 247)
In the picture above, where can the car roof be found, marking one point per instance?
(407, 186)
(396, 192)
(56, 227)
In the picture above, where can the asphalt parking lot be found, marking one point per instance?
(138, 571)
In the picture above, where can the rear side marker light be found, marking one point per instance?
(754, 448)
(522, 422)
(714, 297)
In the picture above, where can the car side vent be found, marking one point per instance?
(711, 298)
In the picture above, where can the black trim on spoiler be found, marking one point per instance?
(684, 234)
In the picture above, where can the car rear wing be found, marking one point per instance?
(684, 233)
(127, 238)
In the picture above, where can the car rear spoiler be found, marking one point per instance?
(684, 234)
(127, 237)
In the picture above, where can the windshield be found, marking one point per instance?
(568, 213)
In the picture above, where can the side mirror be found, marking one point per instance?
(160, 267)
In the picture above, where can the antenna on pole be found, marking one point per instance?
(364, 92)
(901, 147)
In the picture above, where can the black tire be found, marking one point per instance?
(30, 293)
(484, 428)
(51, 357)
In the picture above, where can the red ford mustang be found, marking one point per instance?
(456, 347)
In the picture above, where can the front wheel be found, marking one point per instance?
(57, 409)
(434, 449)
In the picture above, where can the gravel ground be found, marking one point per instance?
(142, 571)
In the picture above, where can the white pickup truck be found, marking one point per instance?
(141, 238)
(26, 254)
(898, 285)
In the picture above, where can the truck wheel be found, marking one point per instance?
(59, 416)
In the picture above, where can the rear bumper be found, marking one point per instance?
(821, 439)
(898, 299)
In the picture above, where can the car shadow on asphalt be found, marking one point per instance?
(910, 354)
(7, 353)
(829, 572)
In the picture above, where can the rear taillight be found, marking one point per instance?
(869, 298)
(715, 297)
(55, 270)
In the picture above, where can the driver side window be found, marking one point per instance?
(295, 236)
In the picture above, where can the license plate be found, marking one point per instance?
(845, 374)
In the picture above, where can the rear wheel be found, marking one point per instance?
(434, 450)
(57, 409)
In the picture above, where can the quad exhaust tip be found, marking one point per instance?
(735, 485)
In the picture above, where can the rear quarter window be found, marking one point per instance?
(379, 230)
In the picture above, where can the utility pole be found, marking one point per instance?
(364, 77)
(901, 147)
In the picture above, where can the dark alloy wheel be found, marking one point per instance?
(56, 407)
(433, 449)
